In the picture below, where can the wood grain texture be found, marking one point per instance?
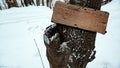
(80, 17)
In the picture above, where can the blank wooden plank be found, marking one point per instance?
(81, 17)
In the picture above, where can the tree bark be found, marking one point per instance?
(22, 3)
(12, 3)
(49, 2)
(29, 2)
(42, 2)
(0, 7)
(70, 47)
(38, 2)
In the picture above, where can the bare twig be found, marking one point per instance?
(39, 53)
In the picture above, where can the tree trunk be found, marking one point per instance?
(0, 7)
(49, 2)
(22, 3)
(42, 2)
(38, 2)
(12, 3)
(29, 2)
(5, 6)
(70, 47)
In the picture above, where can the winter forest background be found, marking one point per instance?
(5, 4)
(19, 27)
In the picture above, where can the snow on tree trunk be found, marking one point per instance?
(69, 47)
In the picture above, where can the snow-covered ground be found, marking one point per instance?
(20, 26)
(18, 29)
(108, 45)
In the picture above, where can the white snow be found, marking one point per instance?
(18, 29)
(108, 45)
(20, 26)
(54, 36)
(70, 58)
(63, 46)
(46, 40)
(68, 65)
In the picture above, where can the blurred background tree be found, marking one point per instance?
(49, 3)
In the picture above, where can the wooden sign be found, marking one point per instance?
(80, 17)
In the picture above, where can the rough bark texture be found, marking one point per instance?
(69, 47)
